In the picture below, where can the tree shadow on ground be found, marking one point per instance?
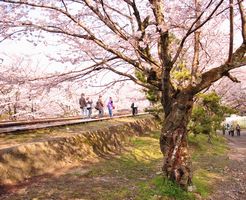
(113, 177)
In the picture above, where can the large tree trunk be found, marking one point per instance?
(173, 140)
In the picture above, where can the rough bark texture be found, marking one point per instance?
(173, 141)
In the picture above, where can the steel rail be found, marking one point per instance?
(35, 121)
(15, 127)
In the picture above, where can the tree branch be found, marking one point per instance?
(64, 5)
(144, 52)
(130, 77)
(162, 29)
(243, 19)
(163, 52)
(90, 36)
(195, 63)
(11, 34)
(209, 77)
(106, 20)
(81, 72)
(231, 32)
(233, 79)
(191, 30)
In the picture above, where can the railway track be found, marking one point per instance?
(12, 127)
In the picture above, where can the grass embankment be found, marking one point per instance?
(135, 174)
(139, 168)
(21, 137)
(138, 171)
(209, 161)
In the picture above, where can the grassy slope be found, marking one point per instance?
(52, 132)
(140, 165)
(134, 174)
(209, 161)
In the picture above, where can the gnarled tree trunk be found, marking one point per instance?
(173, 140)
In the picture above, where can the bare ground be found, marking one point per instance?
(67, 183)
(233, 184)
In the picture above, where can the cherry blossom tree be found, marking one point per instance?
(233, 95)
(23, 99)
(134, 38)
(11, 89)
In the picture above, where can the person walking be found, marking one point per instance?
(99, 106)
(89, 107)
(82, 103)
(110, 106)
(238, 130)
(134, 107)
(229, 129)
(223, 129)
(232, 130)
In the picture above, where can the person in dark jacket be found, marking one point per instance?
(82, 104)
(238, 129)
(134, 107)
(100, 106)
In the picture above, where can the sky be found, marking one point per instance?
(24, 49)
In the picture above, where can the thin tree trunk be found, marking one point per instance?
(173, 141)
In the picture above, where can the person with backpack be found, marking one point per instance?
(99, 106)
(82, 104)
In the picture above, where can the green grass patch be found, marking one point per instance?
(209, 161)
(202, 180)
(140, 158)
(200, 146)
(161, 188)
(137, 169)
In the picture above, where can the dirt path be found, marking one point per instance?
(233, 184)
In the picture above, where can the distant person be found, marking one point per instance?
(223, 129)
(89, 107)
(231, 130)
(134, 107)
(228, 128)
(82, 103)
(99, 106)
(238, 130)
(110, 106)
